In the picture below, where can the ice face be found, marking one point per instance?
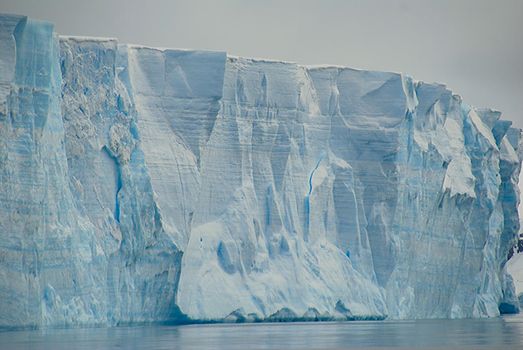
(143, 185)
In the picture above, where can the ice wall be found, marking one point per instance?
(148, 185)
(48, 255)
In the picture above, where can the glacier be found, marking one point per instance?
(140, 184)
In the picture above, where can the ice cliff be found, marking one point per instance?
(141, 185)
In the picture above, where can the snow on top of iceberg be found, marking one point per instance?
(260, 59)
(166, 49)
(79, 38)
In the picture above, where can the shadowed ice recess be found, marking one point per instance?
(162, 185)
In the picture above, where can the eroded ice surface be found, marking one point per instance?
(142, 184)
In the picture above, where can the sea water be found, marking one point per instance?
(493, 333)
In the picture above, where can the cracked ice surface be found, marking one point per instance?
(142, 184)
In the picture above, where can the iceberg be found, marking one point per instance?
(142, 184)
(515, 270)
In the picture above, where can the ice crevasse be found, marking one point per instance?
(162, 185)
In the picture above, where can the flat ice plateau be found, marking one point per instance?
(157, 185)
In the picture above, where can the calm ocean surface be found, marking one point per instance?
(496, 333)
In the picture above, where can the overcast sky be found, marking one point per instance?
(474, 46)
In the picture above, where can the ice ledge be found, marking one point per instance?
(246, 58)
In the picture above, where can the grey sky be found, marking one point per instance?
(475, 46)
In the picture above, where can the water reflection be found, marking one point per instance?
(497, 333)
